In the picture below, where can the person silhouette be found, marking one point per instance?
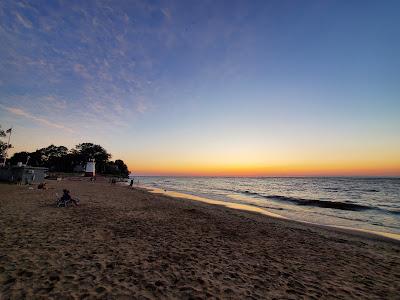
(67, 197)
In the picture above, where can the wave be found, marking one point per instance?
(320, 203)
(332, 189)
(347, 205)
(335, 190)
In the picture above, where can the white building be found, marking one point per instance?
(90, 170)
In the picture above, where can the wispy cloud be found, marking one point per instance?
(166, 12)
(82, 71)
(142, 105)
(20, 112)
(83, 59)
(25, 22)
(56, 103)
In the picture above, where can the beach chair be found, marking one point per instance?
(64, 203)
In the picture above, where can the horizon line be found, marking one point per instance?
(269, 176)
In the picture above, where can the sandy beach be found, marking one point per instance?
(129, 243)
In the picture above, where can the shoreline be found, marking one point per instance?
(250, 208)
(131, 243)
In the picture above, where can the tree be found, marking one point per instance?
(66, 163)
(19, 157)
(2, 132)
(85, 151)
(3, 145)
(35, 159)
(111, 168)
(53, 151)
(123, 168)
(59, 159)
(118, 168)
(53, 157)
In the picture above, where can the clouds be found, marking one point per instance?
(25, 22)
(55, 103)
(81, 70)
(89, 54)
(23, 113)
(142, 106)
(113, 61)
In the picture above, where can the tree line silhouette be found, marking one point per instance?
(61, 159)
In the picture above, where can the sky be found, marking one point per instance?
(221, 88)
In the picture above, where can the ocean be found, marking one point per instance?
(356, 202)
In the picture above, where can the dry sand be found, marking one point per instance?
(130, 243)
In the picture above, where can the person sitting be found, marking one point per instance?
(66, 197)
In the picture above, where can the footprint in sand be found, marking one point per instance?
(100, 289)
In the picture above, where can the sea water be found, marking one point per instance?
(356, 202)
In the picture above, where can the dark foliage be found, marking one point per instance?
(85, 151)
(3, 145)
(116, 168)
(60, 159)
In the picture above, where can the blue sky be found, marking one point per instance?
(167, 82)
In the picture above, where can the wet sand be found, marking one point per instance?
(245, 207)
(129, 243)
